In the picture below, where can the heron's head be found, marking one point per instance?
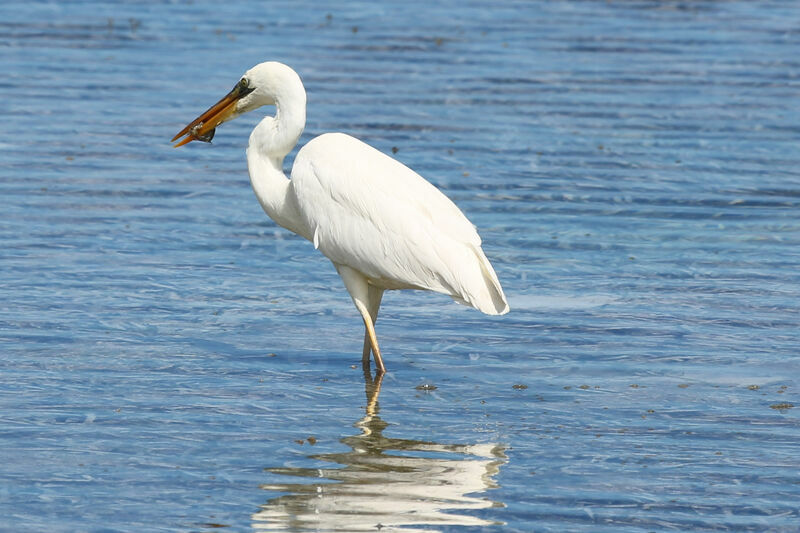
(265, 84)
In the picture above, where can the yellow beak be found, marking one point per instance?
(202, 128)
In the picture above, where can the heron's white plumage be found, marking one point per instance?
(372, 213)
(381, 224)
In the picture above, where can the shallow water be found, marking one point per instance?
(173, 361)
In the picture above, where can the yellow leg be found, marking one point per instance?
(367, 300)
(374, 296)
(373, 341)
(365, 351)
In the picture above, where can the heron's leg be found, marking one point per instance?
(374, 296)
(365, 351)
(357, 286)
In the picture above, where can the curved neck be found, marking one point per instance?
(271, 140)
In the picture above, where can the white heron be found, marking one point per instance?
(381, 224)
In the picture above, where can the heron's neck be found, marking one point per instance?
(271, 140)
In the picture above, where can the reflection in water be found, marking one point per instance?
(420, 484)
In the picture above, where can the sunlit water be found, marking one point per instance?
(170, 360)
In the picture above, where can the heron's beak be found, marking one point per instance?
(202, 128)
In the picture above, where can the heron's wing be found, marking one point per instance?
(372, 213)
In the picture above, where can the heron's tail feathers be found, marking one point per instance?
(482, 290)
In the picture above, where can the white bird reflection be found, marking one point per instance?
(385, 484)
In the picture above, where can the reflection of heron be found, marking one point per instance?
(380, 223)
(394, 483)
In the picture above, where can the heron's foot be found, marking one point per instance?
(379, 368)
(367, 367)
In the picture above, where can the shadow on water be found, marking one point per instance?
(385, 483)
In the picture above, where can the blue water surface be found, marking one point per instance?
(171, 360)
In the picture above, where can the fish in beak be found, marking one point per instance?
(202, 128)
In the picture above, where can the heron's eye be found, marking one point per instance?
(243, 83)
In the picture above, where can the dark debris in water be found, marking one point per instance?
(781, 406)
(426, 387)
